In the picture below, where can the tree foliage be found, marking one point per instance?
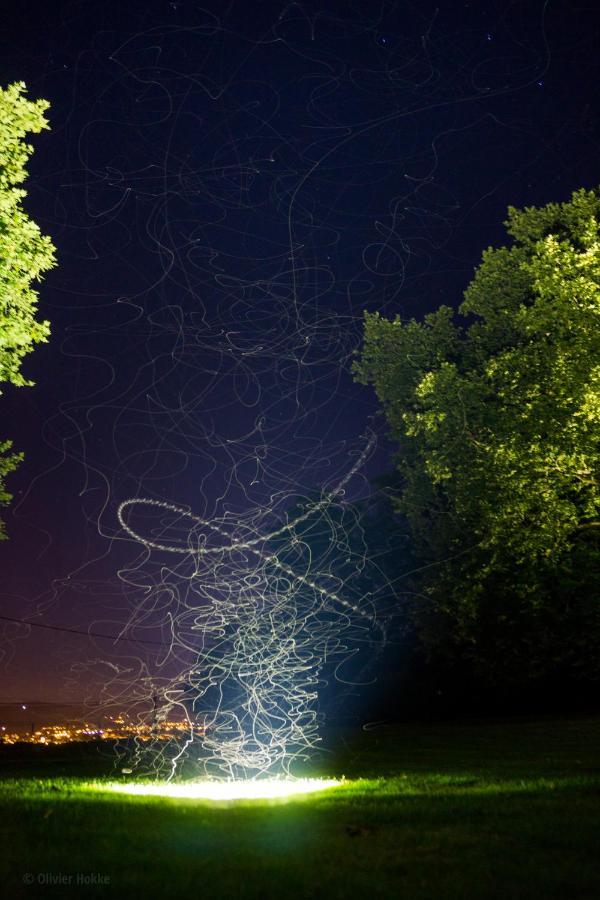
(497, 424)
(24, 252)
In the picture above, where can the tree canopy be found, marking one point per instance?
(496, 414)
(24, 253)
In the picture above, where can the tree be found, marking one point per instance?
(24, 253)
(497, 424)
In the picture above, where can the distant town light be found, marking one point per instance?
(63, 734)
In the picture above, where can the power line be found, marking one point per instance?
(108, 637)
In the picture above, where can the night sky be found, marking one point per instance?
(229, 186)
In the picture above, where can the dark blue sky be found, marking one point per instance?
(229, 186)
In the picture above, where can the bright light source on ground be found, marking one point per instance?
(261, 789)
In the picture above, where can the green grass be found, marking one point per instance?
(501, 810)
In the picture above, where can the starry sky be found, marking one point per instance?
(228, 186)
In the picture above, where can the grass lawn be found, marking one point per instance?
(495, 810)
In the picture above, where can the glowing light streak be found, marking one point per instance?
(260, 789)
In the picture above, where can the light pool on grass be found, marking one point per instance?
(261, 789)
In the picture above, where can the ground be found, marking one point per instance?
(475, 810)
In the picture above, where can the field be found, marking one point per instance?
(496, 810)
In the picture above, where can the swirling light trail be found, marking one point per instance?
(262, 633)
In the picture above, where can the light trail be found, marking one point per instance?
(261, 626)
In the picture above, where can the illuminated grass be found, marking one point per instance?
(479, 811)
(262, 789)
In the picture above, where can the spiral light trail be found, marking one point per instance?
(262, 632)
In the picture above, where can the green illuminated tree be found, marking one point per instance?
(24, 253)
(497, 421)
